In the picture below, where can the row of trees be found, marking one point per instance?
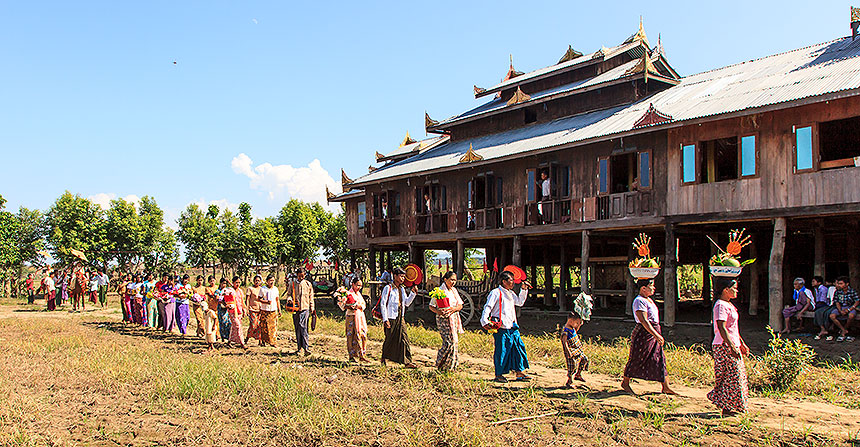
(133, 237)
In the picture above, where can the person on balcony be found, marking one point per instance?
(545, 196)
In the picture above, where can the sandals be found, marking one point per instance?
(840, 338)
(849, 338)
(523, 379)
(817, 337)
(500, 379)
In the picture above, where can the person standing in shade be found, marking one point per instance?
(93, 286)
(846, 302)
(270, 310)
(500, 314)
(30, 289)
(731, 391)
(301, 295)
(393, 304)
(646, 360)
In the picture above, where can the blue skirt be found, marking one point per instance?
(510, 354)
(223, 323)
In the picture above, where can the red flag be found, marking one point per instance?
(308, 264)
(440, 264)
(336, 265)
(485, 266)
(447, 266)
(495, 265)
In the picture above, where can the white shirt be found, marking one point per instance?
(388, 305)
(102, 279)
(271, 295)
(831, 292)
(648, 306)
(94, 283)
(507, 299)
(49, 284)
(545, 188)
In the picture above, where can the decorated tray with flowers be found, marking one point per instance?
(726, 262)
(645, 266)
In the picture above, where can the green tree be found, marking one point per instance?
(31, 234)
(9, 253)
(229, 249)
(198, 232)
(123, 228)
(299, 230)
(74, 222)
(262, 241)
(165, 256)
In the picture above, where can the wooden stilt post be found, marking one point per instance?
(754, 278)
(371, 261)
(517, 255)
(774, 274)
(670, 281)
(818, 234)
(631, 286)
(562, 280)
(461, 258)
(853, 253)
(352, 261)
(388, 264)
(413, 253)
(583, 272)
(548, 289)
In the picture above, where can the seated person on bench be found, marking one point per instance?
(803, 300)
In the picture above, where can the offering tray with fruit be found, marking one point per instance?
(726, 262)
(645, 266)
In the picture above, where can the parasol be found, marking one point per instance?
(519, 274)
(414, 275)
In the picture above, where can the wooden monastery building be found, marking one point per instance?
(628, 146)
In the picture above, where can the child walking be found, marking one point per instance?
(577, 361)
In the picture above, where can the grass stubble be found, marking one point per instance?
(73, 384)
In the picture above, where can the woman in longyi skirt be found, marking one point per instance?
(731, 391)
(646, 361)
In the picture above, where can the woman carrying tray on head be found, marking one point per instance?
(510, 352)
(647, 360)
(731, 391)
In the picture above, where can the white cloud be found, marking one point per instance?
(305, 183)
(103, 199)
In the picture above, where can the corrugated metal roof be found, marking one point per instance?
(820, 69)
(347, 195)
(582, 60)
(413, 147)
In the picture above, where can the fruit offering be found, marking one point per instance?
(728, 257)
(642, 248)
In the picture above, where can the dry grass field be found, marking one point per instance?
(69, 379)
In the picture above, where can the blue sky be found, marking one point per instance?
(91, 101)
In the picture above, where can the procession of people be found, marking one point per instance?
(169, 304)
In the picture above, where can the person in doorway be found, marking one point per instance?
(647, 360)
(301, 295)
(500, 315)
(392, 306)
(545, 187)
(449, 324)
(731, 391)
(846, 302)
(803, 301)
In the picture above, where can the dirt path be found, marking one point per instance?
(776, 414)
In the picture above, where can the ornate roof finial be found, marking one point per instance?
(407, 140)
(379, 156)
(328, 194)
(570, 54)
(344, 180)
(660, 45)
(512, 73)
(652, 116)
(518, 97)
(470, 156)
(478, 90)
(371, 168)
(640, 35)
(429, 122)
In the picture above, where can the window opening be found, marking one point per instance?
(530, 115)
(719, 160)
(748, 165)
(839, 142)
(688, 166)
(803, 148)
(622, 172)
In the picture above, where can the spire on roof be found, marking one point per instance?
(518, 97)
(379, 156)
(600, 53)
(407, 140)
(371, 168)
(640, 35)
(429, 122)
(328, 194)
(660, 51)
(344, 180)
(643, 66)
(570, 54)
(511, 72)
(652, 116)
(470, 156)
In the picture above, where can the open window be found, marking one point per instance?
(749, 156)
(362, 214)
(603, 180)
(839, 143)
(688, 164)
(803, 149)
(718, 160)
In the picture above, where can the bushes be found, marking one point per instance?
(783, 362)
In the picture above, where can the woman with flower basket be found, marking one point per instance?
(446, 303)
(356, 323)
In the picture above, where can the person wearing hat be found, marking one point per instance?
(500, 313)
(731, 391)
(392, 305)
(647, 360)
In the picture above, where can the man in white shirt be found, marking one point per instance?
(103, 281)
(545, 196)
(393, 303)
(270, 309)
(500, 314)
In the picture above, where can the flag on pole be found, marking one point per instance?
(485, 266)
(440, 264)
(447, 266)
(496, 265)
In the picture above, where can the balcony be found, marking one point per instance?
(429, 223)
(380, 227)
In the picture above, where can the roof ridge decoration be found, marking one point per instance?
(512, 73)
(429, 122)
(652, 116)
(855, 22)
(478, 90)
(600, 53)
(569, 55)
(328, 194)
(518, 97)
(379, 156)
(344, 180)
(639, 35)
(371, 168)
(643, 66)
(407, 140)
(470, 156)
(659, 49)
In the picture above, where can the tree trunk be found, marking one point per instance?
(774, 274)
